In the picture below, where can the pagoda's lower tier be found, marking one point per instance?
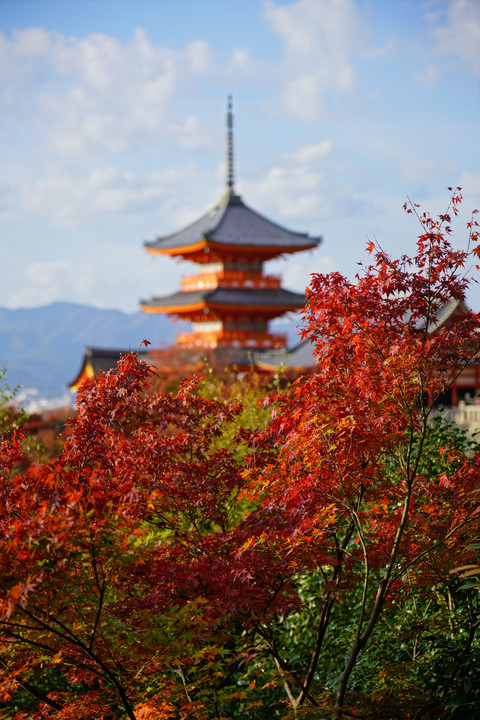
(227, 316)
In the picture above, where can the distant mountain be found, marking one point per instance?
(42, 348)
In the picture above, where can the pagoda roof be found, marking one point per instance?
(232, 224)
(226, 297)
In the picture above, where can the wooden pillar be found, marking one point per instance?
(454, 395)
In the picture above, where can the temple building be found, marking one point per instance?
(464, 389)
(98, 360)
(231, 300)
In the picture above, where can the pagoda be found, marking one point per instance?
(231, 300)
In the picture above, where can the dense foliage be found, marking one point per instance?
(195, 555)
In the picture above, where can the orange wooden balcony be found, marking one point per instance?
(229, 278)
(231, 338)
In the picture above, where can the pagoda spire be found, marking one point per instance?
(230, 176)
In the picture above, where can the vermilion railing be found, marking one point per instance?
(229, 278)
(231, 338)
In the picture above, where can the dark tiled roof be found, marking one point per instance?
(234, 223)
(178, 298)
(238, 297)
(256, 296)
(444, 313)
(191, 360)
(299, 356)
(101, 360)
(302, 355)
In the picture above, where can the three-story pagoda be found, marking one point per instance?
(231, 300)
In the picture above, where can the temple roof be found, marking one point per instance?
(183, 362)
(97, 360)
(299, 357)
(224, 297)
(445, 312)
(302, 355)
(233, 224)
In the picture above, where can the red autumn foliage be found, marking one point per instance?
(152, 563)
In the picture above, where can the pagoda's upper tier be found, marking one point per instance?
(232, 227)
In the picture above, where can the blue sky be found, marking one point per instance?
(112, 131)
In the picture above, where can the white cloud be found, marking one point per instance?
(294, 187)
(302, 189)
(241, 59)
(312, 153)
(83, 278)
(47, 281)
(459, 34)
(85, 121)
(387, 50)
(428, 77)
(320, 37)
(190, 134)
(290, 192)
(297, 272)
(418, 169)
(6, 201)
(32, 42)
(470, 184)
(96, 93)
(67, 200)
(199, 57)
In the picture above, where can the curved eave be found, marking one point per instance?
(266, 251)
(86, 372)
(174, 309)
(180, 250)
(219, 307)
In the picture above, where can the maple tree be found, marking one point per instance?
(348, 482)
(188, 557)
(96, 543)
